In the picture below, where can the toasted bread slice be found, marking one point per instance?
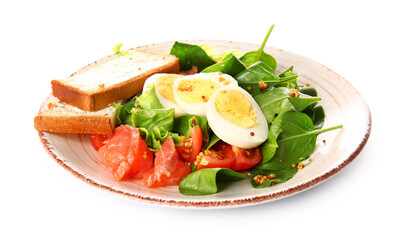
(113, 79)
(61, 117)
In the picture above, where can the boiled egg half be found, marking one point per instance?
(236, 118)
(193, 92)
(163, 84)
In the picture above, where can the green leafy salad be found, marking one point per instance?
(257, 125)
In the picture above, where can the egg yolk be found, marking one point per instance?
(234, 107)
(163, 86)
(195, 90)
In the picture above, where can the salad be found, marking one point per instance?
(226, 117)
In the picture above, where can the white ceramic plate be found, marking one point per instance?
(334, 150)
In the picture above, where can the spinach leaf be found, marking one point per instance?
(296, 141)
(184, 124)
(191, 55)
(230, 64)
(250, 78)
(282, 175)
(259, 55)
(309, 91)
(206, 181)
(289, 74)
(278, 100)
(269, 147)
(212, 53)
(319, 118)
(315, 112)
(212, 141)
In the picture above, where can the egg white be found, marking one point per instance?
(167, 104)
(199, 108)
(233, 134)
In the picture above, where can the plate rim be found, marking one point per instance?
(223, 203)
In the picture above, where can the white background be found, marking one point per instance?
(364, 41)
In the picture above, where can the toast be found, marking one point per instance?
(118, 78)
(57, 116)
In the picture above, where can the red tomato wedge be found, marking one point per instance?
(126, 154)
(220, 155)
(246, 158)
(168, 168)
(190, 148)
(98, 140)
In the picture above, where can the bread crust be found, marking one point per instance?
(96, 100)
(74, 124)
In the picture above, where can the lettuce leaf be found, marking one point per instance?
(149, 100)
(156, 136)
(184, 124)
(146, 113)
(150, 118)
(116, 49)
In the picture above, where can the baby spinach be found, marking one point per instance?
(296, 141)
(282, 175)
(191, 55)
(212, 141)
(319, 117)
(259, 55)
(309, 91)
(212, 53)
(230, 64)
(278, 100)
(269, 147)
(289, 74)
(208, 180)
(250, 78)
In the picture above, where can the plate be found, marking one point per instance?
(334, 150)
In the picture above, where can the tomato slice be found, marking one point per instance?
(246, 158)
(220, 155)
(98, 140)
(191, 147)
(126, 154)
(168, 168)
